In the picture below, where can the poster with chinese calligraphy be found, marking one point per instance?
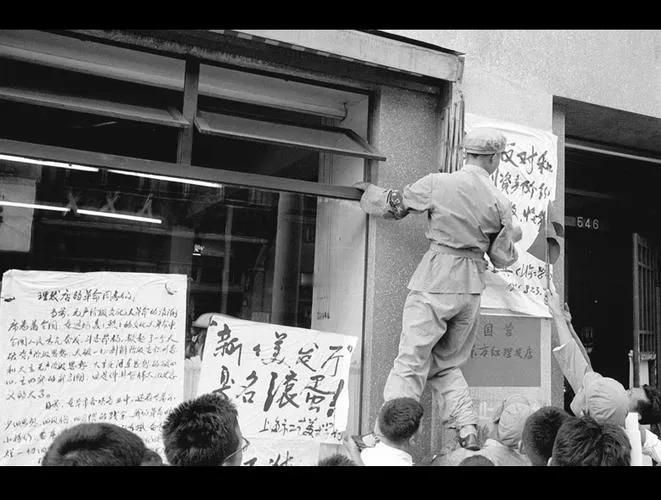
(87, 347)
(289, 385)
(506, 353)
(527, 176)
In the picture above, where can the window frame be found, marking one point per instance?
(180, 170)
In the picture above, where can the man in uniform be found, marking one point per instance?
(467, 217)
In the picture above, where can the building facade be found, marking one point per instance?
(229, 156)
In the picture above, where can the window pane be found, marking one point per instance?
(281, 258)
(329, 140)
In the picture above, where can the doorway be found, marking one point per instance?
(611, 211)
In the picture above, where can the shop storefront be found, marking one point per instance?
(218, 156)
(228, 156)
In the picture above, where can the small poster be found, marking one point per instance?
(289, 385)
(527, 176)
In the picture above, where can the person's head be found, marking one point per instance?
(584, 441)
(336, 460)
(483, 147)
(399, 420)
(204, 431)
(509, 419)
(539, 433)
(646, 401)
(603, 398)
(476, 461)
(99, 444)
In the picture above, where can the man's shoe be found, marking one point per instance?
(470, 442)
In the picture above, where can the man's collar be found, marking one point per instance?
(476, 169)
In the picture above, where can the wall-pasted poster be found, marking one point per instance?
(527, 176)
(87, 347)
(289, 385)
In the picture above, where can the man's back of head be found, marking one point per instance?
(202, 431)
(98, 444)
(539, 433)
(476, 461)
(585, 442)
(399, 419)
(336, 460)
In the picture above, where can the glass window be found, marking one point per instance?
(283, 258)
(329, 139)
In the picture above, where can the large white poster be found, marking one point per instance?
(289, 385)
(527, 176)
(87, 347)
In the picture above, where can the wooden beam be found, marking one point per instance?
(236, 178)
(82, 104)
(636, 314)
(191, 85)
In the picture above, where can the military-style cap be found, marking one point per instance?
(484, 141)
(603, 398)
(510, 418)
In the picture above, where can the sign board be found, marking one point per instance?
(289, 385)
(506, 353)
(87, 347)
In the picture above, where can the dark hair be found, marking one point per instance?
(584, 441)
(476, 461)
(650, 410)
(336, 460)
(400, 418)
(201, 431)
(97, 444)
(539, 433)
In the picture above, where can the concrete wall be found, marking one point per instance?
(407, 134)
(508, 75)
(514, 74)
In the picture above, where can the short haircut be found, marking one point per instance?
(539, 433)
(201, 431)
(97, 444)
(336, 460)
(583, 441)
(400, 418)
(650, 410)
(476, 461)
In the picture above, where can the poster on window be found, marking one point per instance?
(87, 347)
(527, 176)
(289, 385)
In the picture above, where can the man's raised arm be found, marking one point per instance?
(570, 354)
(395, 204)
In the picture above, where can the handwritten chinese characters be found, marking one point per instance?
(87, 347)
(289, 384)
(506, 353)
(527, 176)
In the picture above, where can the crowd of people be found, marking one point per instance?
(206, 431)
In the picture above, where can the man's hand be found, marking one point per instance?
(362, 185)
(352, 448)
(517, 233)
(553, 301)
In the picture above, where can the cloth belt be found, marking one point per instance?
(457, 252)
